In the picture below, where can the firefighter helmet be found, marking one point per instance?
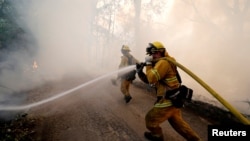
(125, 49)
(155, 47)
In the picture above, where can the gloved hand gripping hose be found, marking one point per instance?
(139, 67)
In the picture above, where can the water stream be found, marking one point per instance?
(59, 95)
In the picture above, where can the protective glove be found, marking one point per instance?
(139, 67)
(148, 60)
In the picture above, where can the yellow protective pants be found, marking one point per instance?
(157, 115)
(125, 87)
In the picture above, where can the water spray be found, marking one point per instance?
(24, 107)
(213, 92)
(202, 83)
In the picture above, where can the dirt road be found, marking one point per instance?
(97, 112)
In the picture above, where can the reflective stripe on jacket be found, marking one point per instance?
(163, 103)
(163, 75)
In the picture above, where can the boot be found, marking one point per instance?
(127, 98)
(151, 137)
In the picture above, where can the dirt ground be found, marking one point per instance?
(98, 112)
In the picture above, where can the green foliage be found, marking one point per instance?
(9, 30)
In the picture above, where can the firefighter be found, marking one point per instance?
(126, 78)
(161, 74)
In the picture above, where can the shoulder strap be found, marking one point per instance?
(178, 76)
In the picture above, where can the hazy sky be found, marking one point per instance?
(208, 37)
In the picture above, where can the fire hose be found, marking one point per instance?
(237, 114)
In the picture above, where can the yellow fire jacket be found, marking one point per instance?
(126, 60)
(162, 75)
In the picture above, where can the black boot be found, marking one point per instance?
(127, 98)
(151, 137)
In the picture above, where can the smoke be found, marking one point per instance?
(62, 42)
(206, 37)
(211, 39)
